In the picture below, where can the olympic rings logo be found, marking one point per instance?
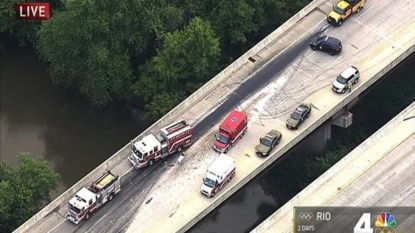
(307, 216)
(385, 230)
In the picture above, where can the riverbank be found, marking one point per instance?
(50, 121)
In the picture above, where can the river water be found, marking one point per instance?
(45, 120)
(39, 118)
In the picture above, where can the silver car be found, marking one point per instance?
(350, 75)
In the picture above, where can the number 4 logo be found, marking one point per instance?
(363, 225)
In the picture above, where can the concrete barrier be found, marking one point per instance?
(195, 97)
(289, 206)
(358, 90)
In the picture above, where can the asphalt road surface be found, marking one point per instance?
(115, 215)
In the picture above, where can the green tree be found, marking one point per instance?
(91, 44)
(189, 58)
(24, 32)
(24, 190)
(233, 20)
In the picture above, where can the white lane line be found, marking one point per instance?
(333, 61)
(125, 173)
(384, 21)
(363, 13)
(258, 70)
(310, 54)
(57, 226)
(381, 35)
(105, 215)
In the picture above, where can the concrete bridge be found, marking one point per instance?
(379, 172)
(267, 82)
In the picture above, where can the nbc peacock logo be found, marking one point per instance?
(385, 223)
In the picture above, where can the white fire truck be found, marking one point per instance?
(87, 200)
(172, 138)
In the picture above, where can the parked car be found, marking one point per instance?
(350, 75)
(267, 143)
(296, 118)
(327, 44)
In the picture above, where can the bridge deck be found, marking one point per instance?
(379, 172)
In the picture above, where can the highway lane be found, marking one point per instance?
(114, 216)
(391, 183)
(250, 87)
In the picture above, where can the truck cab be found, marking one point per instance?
(145, 151)
(219, 173)
(343, 9)
(172, 138)
(230, 131)
(87, 200)
(81, 205)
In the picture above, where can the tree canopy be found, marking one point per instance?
(175, 73)
(24, 190)
(156, 51)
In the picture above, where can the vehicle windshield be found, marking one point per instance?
(339, 10)
(341, 79)
(266, 142)
(295, 116)
(222, 139)
(73, 208)
(320, 38)
(208, 182)
(137, 153)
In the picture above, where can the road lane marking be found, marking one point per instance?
(99, 220)
(258, 70)
(310, 54)
(395, 36)
(363, 13)
(57, 226)
(384, 21)
(125, 173)
(327, 66)
(388, 39)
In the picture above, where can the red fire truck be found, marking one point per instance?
(87, 200)
(231, 130)
(172, 138)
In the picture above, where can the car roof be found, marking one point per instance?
(348, 72)
(300, 109)
(328, 39)
(332, 40)
(343, 4)
(271, 134)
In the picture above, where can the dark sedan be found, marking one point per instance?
(327, 44)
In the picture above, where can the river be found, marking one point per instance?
(42, 119)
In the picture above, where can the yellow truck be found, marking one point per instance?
(343, 10)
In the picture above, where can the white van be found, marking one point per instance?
(219, 173)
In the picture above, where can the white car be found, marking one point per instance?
(350, 75)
